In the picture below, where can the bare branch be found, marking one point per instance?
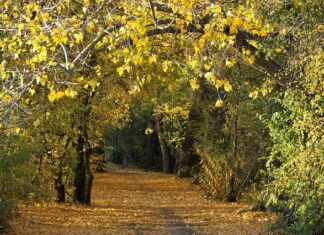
(94, 42)
(153, 13)
(158, 31)
(86, 50)
(66, 56)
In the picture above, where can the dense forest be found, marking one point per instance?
(229, 93)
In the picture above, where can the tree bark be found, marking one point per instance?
(59, 186)
(83, 177)
(167, 163)
(58, 175)
(232, 194)
(187, 158)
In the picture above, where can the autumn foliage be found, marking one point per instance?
(229, 92)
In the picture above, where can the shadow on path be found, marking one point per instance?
(176, 224)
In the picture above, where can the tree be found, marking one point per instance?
(52, 44)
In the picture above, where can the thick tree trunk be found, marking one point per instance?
(167, 163)
(83, 177)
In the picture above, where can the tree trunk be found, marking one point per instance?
(83, 177)
(231, 197)
(58, 177)
(59, 186)
(188, 158)
(232, 194)
(167, 164)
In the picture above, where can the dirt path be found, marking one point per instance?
(129, 201)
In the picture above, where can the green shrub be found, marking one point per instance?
(296, 165)
(16, 176)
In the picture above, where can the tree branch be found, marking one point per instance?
(153, 12)
(158, 31)
(241, 41)
(85, 51)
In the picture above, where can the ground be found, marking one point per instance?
(131, 201)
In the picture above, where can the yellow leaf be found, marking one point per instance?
(165, 66)
(60, 95)
(17, 130)
(51, 96)
(227, 86)
(247, 52)
(148, 131)
(125, 51)
(78, 37)
(120, 71)
(254, 94)
(230, 63)
(45, 16)
(91, 26)
(115, 60)
(219, 83)
(298, 3)
(27, 101)
(219, 103)
(127, 67)
(251, 59)
(193, 63)
(86, 2)
(41, 80)
(283, 31)
(36, 123)
(207, 66)
(152, 59)
(137, 59)
(32, 91)
(278, 49)
(194, 85)
(123, 20)
(70, 93)
(80, 79)
(210, 77)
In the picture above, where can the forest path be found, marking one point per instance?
(131, 201)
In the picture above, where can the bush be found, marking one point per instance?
(16, 174)
(296, 160)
